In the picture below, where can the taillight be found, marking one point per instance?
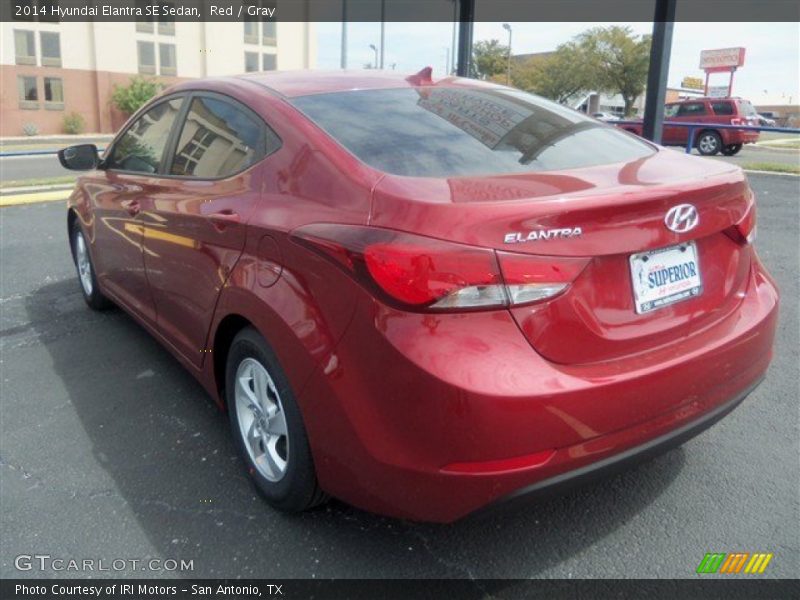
(744, 231)
(421, 273)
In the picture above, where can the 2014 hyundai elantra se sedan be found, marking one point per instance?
(425, 296)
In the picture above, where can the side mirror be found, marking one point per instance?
(83, 157)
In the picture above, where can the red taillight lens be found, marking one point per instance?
(744, 231)
(424, 273)
(533, 278)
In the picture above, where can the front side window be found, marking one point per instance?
(24, 47)
(147, 57)
(217, 140)
(53, 93)
(141, 147)
(450, 132)
(51, 48)
(166, 56)
(27, 92)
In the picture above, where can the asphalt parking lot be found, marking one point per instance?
(109, 449)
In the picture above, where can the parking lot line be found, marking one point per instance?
(50, 196)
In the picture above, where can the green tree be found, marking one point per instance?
(621, 59)
(489, 58)
(558, 75)
(131, 97)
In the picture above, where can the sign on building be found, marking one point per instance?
(692, 83)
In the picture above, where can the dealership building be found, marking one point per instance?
(52, 69)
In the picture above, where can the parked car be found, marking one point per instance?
(605, 116)
(425, 297)
(711, 111)
(766, 121)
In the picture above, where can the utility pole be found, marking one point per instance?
(507, 27)
(343, 55)
(383, 29)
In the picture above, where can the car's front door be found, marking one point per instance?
(194, 230)
(131, 179)
(689, 112)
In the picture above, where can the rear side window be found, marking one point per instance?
(218, 139)
(141, 147)
(449, 132)
(692, 109)
(722, 108)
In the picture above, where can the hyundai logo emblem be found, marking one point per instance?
(682, 218)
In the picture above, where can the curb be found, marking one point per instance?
(35, 197)
(754, 172)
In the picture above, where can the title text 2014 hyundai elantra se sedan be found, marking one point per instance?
(425, 296)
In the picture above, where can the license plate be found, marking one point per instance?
(665, 276)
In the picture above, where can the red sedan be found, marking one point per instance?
(420, 296)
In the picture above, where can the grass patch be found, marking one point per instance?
(774, 167)
(794, 144)
(38, 182)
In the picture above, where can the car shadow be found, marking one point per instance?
(168, 451)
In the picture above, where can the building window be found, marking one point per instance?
(166, 56)
(51, 48)
(269, 62)
(24, 47)
(270, 33)
(250, 62)
(53, 93)
(147, 57)
(166, 24)
(27, 91)
(250, 32)
(144, 24)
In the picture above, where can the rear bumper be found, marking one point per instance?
(617, 462)
(734, 136)
(432, 417)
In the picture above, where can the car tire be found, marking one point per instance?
(731, 149)
(82, 258)
(268, 427)
(709, 143)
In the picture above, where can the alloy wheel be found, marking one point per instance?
(262, 421)
(84, 264)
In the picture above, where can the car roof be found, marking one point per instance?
(292, 84)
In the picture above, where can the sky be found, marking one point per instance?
(770, 75)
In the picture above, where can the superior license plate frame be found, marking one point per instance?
(644, 300)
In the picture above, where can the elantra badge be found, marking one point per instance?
(541, 234)
(682, 218)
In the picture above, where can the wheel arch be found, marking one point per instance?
(227, 329)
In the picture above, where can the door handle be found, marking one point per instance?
(132, 206)
(225, 216)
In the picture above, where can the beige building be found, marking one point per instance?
(51, 69)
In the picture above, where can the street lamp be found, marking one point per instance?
(376, 54)
(507, 27)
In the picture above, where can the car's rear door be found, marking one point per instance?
(131, 179)
(195, 227)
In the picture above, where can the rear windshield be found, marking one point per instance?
(448, 132)
(746, 109)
